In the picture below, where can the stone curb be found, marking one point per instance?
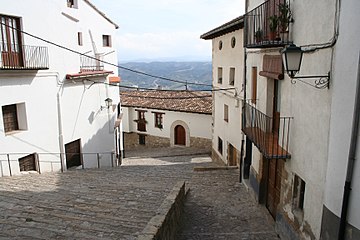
(202, 169)
(165, 223)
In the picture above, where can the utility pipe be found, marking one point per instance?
(351, 159)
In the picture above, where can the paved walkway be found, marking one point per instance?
(117, 203)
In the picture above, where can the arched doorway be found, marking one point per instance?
(180, 137)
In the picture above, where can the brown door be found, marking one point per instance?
(232, 153)
(276, 108)
(275, 167)
(73, 154)
(10, 40)
(29, 163)
(180, 137)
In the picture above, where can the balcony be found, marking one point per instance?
(270, 135)
(23, 57)
(268, 25)
(91, 64)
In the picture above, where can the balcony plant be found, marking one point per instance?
(285, 16)
(273, 25)
(259, 35)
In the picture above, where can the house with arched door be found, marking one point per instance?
(166, 118)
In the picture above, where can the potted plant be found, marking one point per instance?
(284, 16)
(273, 24)
(258, 35)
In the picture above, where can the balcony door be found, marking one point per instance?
(10, 40)
(276, 107)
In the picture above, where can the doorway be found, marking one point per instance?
(73, 154)
(274, 169)
(180, 136)
(29, 163)
(232, 155)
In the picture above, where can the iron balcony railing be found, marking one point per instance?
(268, 25)
(23, 57)
(270, 135)
(92, 63)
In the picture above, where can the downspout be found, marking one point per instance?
(351, 159)
(60, 129)
(243, 105)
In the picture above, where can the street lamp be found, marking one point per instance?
(108, 103)
(291, 58)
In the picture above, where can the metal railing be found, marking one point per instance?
(51, 162)
(270, 135)
(23, 57)
(92, 63)
(268, 25)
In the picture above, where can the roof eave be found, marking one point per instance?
(101, 13)
(233, 25)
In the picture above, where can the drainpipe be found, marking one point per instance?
(351, 159)
(60, 129)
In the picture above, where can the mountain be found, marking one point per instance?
(195, 72)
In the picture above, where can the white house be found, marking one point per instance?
(227, 67)
(166, 118)
(293, 169)
(53, 113)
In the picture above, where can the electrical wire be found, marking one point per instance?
(105, 62)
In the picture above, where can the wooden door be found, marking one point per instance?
(276, 108)
(275, 167)
(10, 39)
(73, 154)
(232, 153)
(180, 137)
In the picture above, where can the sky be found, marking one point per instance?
(167, 29)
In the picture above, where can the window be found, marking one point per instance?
(220, 45)
(220, 73)
(141, 122)
(29, 163)
(142, 139)
(220, 145)
(158, 120)
(14, 117)
(233, 42)
(226, 113)
(298, 193)
(106, 40)
(254, 84)
(72, 3)
(80, 39)
(232, 76)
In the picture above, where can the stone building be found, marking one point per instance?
(166, 118)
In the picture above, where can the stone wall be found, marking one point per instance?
(216, 158)
(202, 143)
(167, 221)
(131, 141)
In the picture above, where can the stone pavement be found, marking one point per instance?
(117, 203)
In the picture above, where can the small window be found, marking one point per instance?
(298, 193)
(220, 145)
(232, 77)
(14, 117)
(72, 3)
(233, 42)
(220, 74)
(80, 39)
(106, 40)
(158, 120)
(220, 45)
(254, 84)
(141, 121)
(142, 139)
(29, 163)
(226, 113)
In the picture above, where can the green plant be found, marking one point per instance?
(259, 35)
(274, 22)
(285, 15)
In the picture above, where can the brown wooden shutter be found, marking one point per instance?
(10, 118)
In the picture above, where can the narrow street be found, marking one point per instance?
(117, 203)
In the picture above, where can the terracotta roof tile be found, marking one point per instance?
(182, 101)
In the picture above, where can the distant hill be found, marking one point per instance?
(198, 72)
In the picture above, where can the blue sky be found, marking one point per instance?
(167, 29)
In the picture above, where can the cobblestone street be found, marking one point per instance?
(117, 203)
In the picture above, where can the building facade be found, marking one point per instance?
(53, 110)
(227, 60)
(166, 118)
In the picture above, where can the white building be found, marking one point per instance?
(53, 114)
(227, 67)
(166, 118)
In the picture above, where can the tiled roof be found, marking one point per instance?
(182, 101)
(233, 25)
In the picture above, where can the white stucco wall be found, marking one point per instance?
(80, 104)
(342, 108)
(226, 58)
(199, 124)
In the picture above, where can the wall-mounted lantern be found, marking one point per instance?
(291, 58)
(108, 103)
